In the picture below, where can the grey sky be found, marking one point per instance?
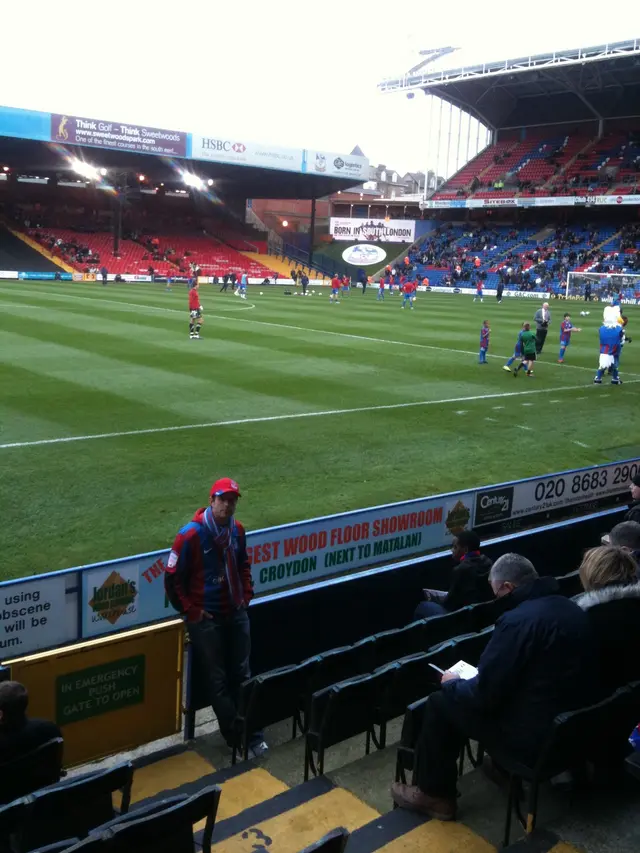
(284, 72)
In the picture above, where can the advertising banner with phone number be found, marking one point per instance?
(553, 492)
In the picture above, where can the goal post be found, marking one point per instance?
(602, 286)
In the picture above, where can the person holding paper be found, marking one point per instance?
(538, 663)
(469, 579)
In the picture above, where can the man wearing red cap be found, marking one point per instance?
(209, 580)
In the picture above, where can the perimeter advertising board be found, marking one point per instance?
(90, 601)
(555, 492)
(236, 149)
(336, 165)
(110, 134)
(373, 230)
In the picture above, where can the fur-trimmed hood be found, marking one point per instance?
(615, 592)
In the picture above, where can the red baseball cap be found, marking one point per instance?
(225, 485)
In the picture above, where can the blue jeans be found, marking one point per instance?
(223, 648)
(429, 608)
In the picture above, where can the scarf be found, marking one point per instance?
(223, 541)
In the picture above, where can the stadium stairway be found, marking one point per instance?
(36, 247)
(264, 808)
(283, 268)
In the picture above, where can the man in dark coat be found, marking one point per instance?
(469, 579)
(537, 664)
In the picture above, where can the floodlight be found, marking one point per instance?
(141, 178)
(192, 180)
(85, 169)
(284, 223)
(210, 182)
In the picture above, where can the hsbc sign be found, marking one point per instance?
(220, 150)
(223, 145)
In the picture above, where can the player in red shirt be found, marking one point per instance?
(195, 312)
(407, 294)
(336, 284)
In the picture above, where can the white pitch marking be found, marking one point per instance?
(493, 420)
(581, 398)
(555, 401)
(527, 404)
(498, 407)
(581, 443)
(296, 416)
(529, 429)
(462, 412)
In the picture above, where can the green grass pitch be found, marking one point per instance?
(314, 408)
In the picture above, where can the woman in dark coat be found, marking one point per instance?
(612, 602)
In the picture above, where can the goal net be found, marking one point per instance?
(602, 287)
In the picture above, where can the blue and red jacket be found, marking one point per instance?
(484, 337)
(200, 579)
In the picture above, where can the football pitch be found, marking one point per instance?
(114, 424)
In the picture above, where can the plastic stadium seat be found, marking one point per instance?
(271, 697)
(469, 647)
(12, 816)
(454, 624)
(74, 807)
(596, 733)
(333, 842)
(409, 738)
(340, 712)
(36, 769)
(399, 642)
(163, 827)
(570, 584)
(345, 662)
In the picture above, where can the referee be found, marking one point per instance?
(542, 319)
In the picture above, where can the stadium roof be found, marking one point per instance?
(45, 144)
(582, 84)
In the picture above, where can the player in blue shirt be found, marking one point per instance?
(517, 353)
(566, 327)
(610, 342)
(485, 333)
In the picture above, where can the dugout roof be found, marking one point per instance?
(582, 84)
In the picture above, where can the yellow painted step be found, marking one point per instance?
(294, 829)
(244, 791)
(168, 773)
(283, 268)
(438, 837)
(33, 244)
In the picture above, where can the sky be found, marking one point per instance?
(283, 72)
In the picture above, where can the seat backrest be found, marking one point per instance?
(399, 642)
(485, 614)
(277, 695)
(35, 769)
(411, 679)
(440, 628)
(58, 847)
(332, 842)
(347, 709)
(598, 731)
(469, 647)
(342, 663)
(412, 723)
(74, 807)
(570, 584)
(12, 817)
(169, 830)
